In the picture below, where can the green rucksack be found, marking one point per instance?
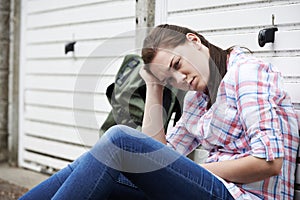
(127, 97)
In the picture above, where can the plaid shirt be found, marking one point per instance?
(252, 115)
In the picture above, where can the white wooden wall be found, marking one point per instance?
(237, 22)
(50, 136)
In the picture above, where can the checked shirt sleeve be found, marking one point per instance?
(184, 137)
(258, 95)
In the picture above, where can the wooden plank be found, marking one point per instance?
(86, 14)
(77, 118)
(78, 32)
(92, 102)
(45, 160)
(92, 84)
(247, 18)
(98, 48)
(179, 5)
(284, 40)
(80, 136)
(293, 90)
(53, 148)
(41, 6)
(288, 66)
(30, 165)
(80, 66)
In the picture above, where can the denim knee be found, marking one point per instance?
(120, 131)
(111, 145)
(117, 132)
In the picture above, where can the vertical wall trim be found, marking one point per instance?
(144, 18)
(4, 71)
(161, 12)
(22, 53)
(13, 87)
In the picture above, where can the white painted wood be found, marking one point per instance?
(22, 76)
(85, 31)
(78, 118)
(179, 5)
(28, 164)
(293, 90)
(97, 48)
(70, 134)
(161, 15)
(63, 96)
(65, 100)
(285, 40)
(92, 84)
(44, 161)
(41, 6)
(242, 18)
(288, 66)
(81, 66)
(53, 148)
(83, 14)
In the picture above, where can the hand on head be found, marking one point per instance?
(148, 77)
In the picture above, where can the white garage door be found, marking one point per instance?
(63, 95)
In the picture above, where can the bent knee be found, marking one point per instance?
(122, 131)
(116, 138)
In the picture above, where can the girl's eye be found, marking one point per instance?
(176, 65)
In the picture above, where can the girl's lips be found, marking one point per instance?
(192, 83)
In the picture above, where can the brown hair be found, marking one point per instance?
(171, 36)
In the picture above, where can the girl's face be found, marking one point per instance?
(184, 67)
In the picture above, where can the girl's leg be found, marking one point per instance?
(49, 187)
(157, 170)
(92, 179)
(124, 189)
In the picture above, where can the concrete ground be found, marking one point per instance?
(16, 181)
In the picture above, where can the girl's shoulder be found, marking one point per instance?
(194, 99)
(244, 61)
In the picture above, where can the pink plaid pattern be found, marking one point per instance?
(252, 115)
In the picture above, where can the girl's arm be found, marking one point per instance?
(245, 170)
(153, 112)
(257, 90)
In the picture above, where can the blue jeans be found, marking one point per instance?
(126, 164)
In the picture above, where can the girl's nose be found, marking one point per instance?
(179, 77)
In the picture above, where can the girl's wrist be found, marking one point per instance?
(155, 87)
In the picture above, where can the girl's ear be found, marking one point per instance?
(195, 39)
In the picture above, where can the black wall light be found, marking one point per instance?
(267, 35)
(70, 47)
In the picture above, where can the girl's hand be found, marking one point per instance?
(153, 113)
(149, 78)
